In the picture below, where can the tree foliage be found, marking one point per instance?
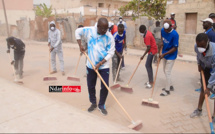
(43, 11)
(152, 8)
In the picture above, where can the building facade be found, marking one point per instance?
(188, 15)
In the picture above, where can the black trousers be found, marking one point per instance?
(19, 57)
(91, 83)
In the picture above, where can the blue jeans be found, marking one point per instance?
(148, 66)
(91, 83)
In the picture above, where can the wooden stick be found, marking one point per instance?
(134, 72)
(49, 61)
(156, 72)
(109, 89)
(14, 74)
(118, 70)
(155, 78)
(206, 96)
(77, 64)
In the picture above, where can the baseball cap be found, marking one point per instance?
(211, 15)
(172, 13)
(208, 19)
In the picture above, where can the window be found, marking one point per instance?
(101, 4)
(191, 23)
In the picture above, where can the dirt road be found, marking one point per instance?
(172, 116)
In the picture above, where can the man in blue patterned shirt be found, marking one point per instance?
(101, 47)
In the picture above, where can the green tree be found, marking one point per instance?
(152, 8)
(43, 11)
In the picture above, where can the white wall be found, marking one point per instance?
(14, 15)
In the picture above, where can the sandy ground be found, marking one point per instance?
(172, 116)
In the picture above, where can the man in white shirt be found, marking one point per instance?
(101, 48)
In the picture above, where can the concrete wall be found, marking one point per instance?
(180, 7)
(65, 4)
(17, 4)
(14, 15)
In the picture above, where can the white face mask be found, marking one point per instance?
(142, 34)
(201, 50)
(52, 28)
(120, 20)
(120, 35)
(166, 25)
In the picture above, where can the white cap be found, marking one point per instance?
(166, 25)
(172, 13)
(52, 22)
(208, 19)
(110, 24)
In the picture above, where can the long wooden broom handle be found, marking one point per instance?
(206, 96)
(77, 64)
(133, 73)
(155, 78)
(118, 70)
(49, 61)
(12, 67)
(108, 88)
(156, 72)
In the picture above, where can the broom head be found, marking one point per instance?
(136, 125)
(49, 78)
(72, 78)
(150, 102)
(115, 86)
(127, 89)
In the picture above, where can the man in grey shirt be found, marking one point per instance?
(157, 35)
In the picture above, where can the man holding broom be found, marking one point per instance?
(118, 37)
(19, 53)
(55, 44)
(169, 53)
(205, 51)
(151, 49)
(101, 48)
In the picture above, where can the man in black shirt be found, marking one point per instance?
(19, 53)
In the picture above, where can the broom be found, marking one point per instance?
(73, 78)
(5, 15)
(117, 85)
(126, 88)
(14, 74)
(49, 78)
(135, 125)
(207, 104)
(150, 101)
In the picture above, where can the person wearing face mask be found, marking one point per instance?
(151, 49)
(125, 47)
(207, 25)
(55, 45)
(118, 37)
(101, 49)
(169, 46)
(19, 53)
(205, 51)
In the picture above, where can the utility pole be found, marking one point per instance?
(5, 15)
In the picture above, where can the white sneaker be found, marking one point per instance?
(148, 85)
